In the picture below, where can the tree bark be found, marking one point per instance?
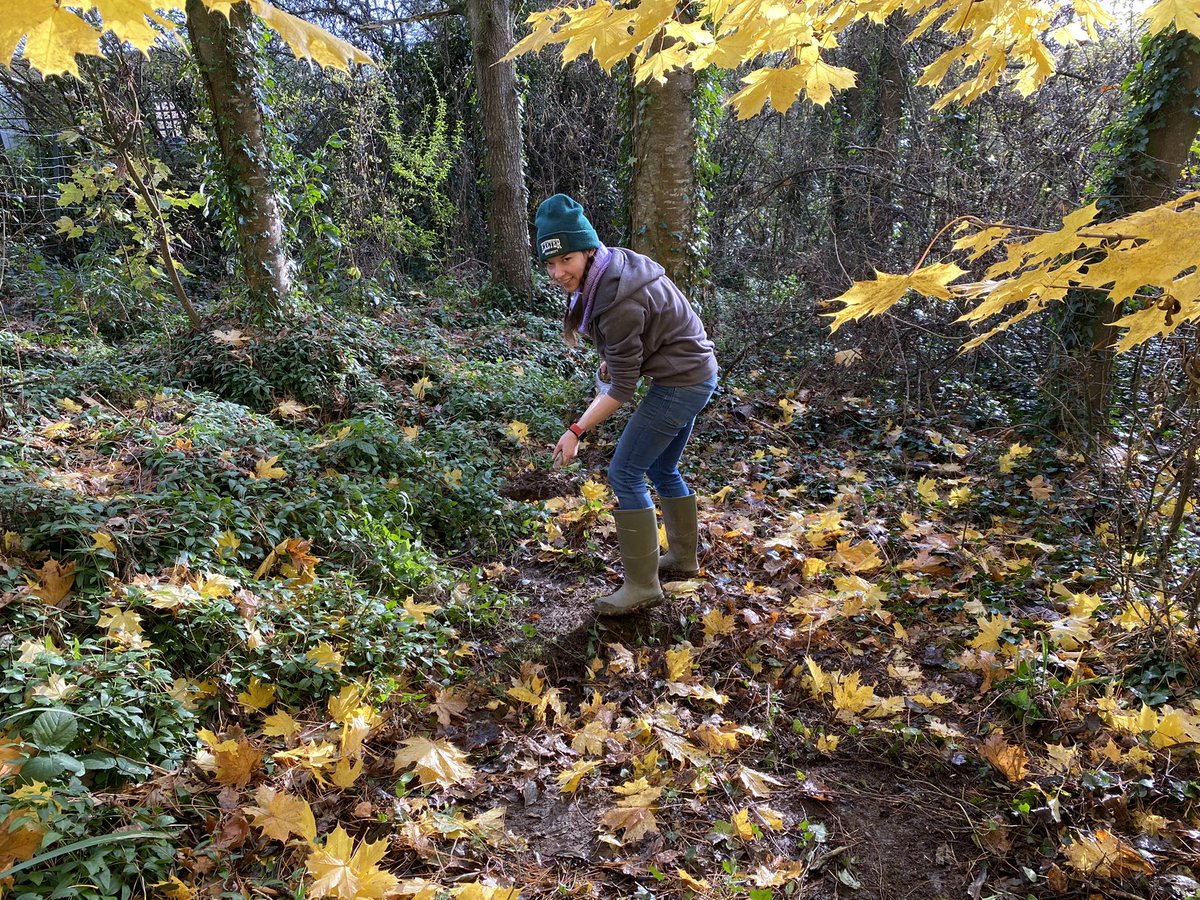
(1156, 140)
(662, 190)
(506, 200)
(227, 63)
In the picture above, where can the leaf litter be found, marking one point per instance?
(876, 683)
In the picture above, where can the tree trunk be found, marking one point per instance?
(506, 200)
(662, 190)
(227, 63)
(1153, 145)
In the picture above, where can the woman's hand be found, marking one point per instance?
(566, 449)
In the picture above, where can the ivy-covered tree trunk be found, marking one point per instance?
(226, 57)
(506, 199)
(1149, 150)
(663, 186)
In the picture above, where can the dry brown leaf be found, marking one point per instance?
(447, 705)
(54, 582)
(281, 815)
(1009, 760)
(1105, 855)
(18, 842)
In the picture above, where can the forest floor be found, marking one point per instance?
(917, 662)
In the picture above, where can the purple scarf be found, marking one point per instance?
(587, 293)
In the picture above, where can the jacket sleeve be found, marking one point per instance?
(623, 332)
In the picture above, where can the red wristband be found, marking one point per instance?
(576, 430)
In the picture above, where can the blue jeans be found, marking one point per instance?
(653, 441)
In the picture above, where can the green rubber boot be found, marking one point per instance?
(679, 517)
(637, 536)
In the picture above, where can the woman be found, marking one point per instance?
(642, 326)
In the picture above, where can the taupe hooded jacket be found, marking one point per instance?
(643, 325)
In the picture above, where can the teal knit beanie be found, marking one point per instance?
(562, 228)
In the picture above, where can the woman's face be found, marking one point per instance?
(567, 270)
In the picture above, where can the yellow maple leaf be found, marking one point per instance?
(634, 814)
(741, 825)
(1010, 457)
(435, 762)
(593, 491)
(318, 758)
(476, 890)
(410, 432)
(102, 540)
(20, 838)
(757, 784)
(355, 729)
(259, 695)
(518, 431)
(267, 468)
(722, 495)
(927, 490)
(120, 622)
(850, 697)
(281, 724)
(990, 631)
(447, 704)
(872, 298)
(679, 663)
(819, 682)
(326, 657)
(54, 581)
(340, 870)
(280, 815)
(173, 889)
(862, 557)
(1010, 760)
(960, 496)
(418, 611)
(1039, 488)
(234, 337)
(290, 409)
(1183, 14)
(237, 761)
(345, 773)
(692, 883)
(420, 386)
(227, 542)
(342, 705)
(1103, 854)
(716, 623)
(569, 779)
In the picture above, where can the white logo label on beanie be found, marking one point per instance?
(551, 245)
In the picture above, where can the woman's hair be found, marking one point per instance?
(574, 316)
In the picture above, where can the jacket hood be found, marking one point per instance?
(627, 274)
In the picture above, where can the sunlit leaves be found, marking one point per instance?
(1103, 854)
(55, 35)
(1183, 14)
(872, 298)
(258, 695)
(518, 431)
(280, 815)
(341, 870)
(435, 762)
(1145, 250)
